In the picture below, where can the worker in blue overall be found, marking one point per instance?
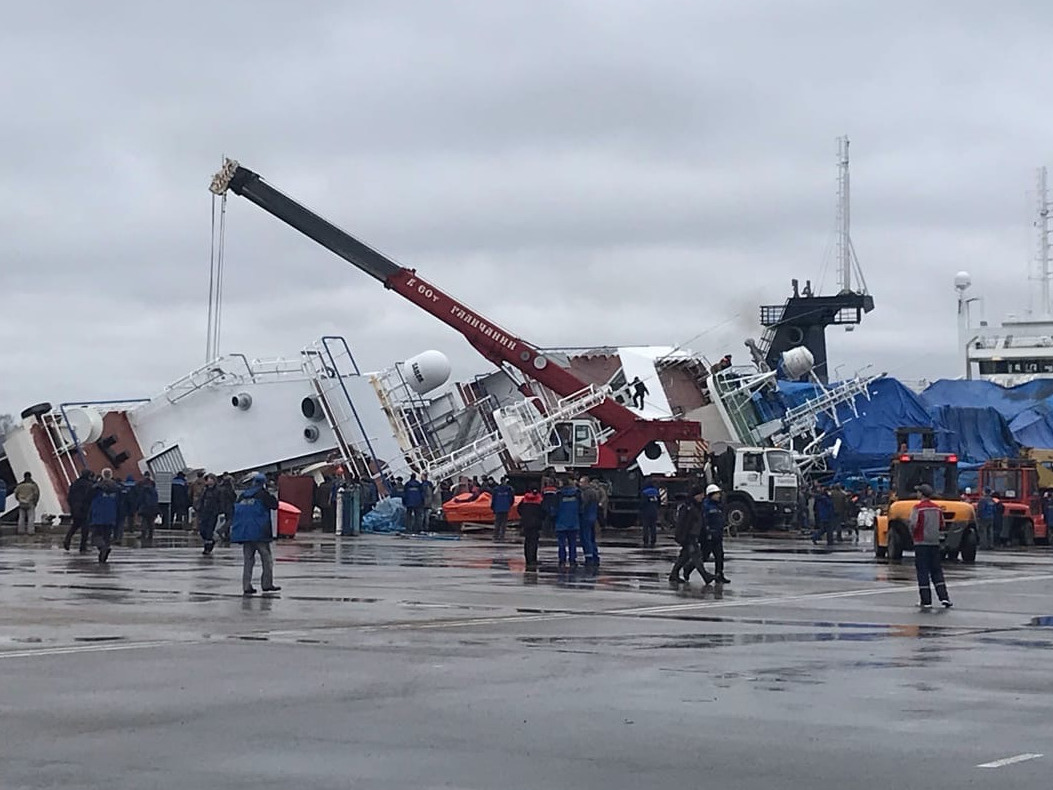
(502, 497)
(104, 512)
(713, 531)
(590, 513)
(650, 498)
(413, 501)
(568, 523)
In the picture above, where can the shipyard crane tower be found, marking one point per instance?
(629, 435)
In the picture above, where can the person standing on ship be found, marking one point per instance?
(639, 390)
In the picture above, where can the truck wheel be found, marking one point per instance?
(969, 543)
(895, 544)
(1028, 532)
(739, 518)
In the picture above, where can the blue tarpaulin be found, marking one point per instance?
(868, 441)
(1027, 409)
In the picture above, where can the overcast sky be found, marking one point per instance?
(601, 172)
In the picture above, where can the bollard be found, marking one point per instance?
(340, 511)
(355, 506)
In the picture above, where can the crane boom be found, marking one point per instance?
(631, 433)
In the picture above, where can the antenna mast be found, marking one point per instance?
(844, 218)
(1042, 224)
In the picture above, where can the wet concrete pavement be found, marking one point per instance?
(413, 663)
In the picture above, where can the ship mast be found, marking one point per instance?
(1042, 255)
(847, 262)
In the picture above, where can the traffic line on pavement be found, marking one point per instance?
(687, 607)
(857, 593)
(77, 649)
(1019, 758)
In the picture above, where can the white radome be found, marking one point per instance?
(797, 362)
(962, 280)
(426, 371)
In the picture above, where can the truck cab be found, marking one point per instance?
(760, 485)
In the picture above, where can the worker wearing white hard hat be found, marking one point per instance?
(713, 531)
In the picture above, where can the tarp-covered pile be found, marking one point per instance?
(1027, 409)
(868, 441)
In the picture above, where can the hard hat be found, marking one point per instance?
(259, 477)
(712, 489)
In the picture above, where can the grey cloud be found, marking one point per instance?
(583, 172)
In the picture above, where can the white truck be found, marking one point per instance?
(761, 486)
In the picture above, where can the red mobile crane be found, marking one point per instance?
(632, 435)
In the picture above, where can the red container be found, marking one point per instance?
(288, 520)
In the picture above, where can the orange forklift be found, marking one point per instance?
(910, 468)
(1014, 482)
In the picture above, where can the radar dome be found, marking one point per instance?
(797, 363)
(962, 280)
(426, 371)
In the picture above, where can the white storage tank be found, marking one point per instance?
(426, 371)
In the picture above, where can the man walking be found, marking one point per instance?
(502, 497)
(926, 523)
(687, 534)
(713, 534)
(27, 495)
(530, 516)
(105, 510)
(252, 529)
(568, 523)
(79, 501)
(207, 508)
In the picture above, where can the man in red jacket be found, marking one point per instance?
(926, 523)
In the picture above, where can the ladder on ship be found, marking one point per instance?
(328, 363)
(771, 318)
